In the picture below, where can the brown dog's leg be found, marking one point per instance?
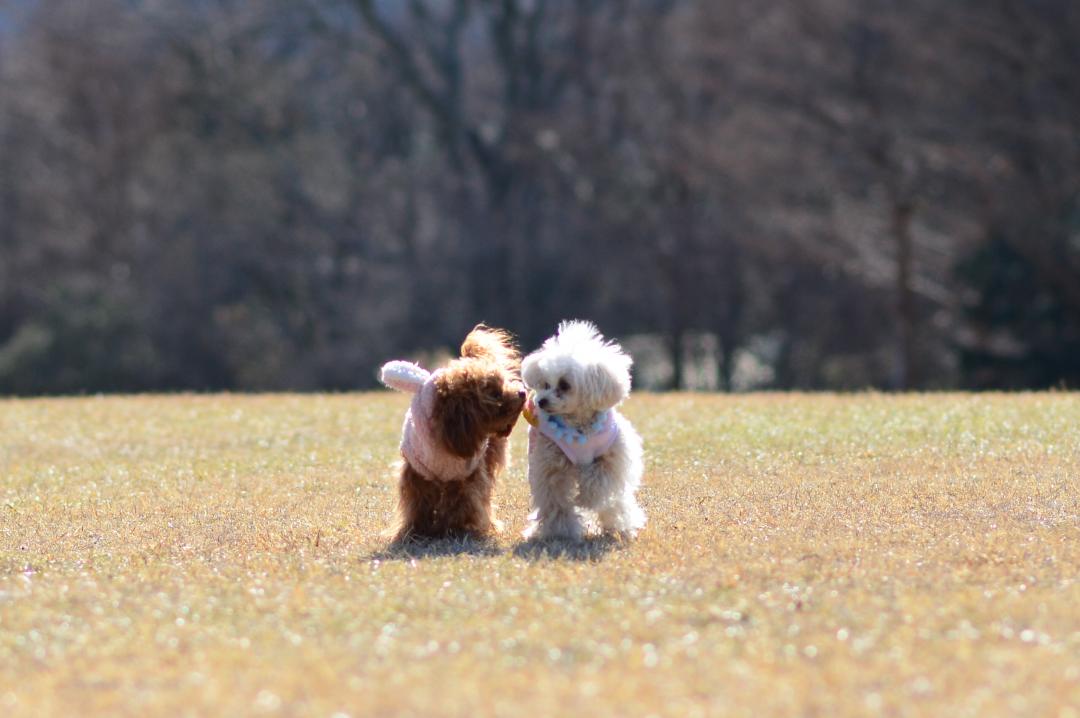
(437, 509)
(467, 506)
(495, 460)
(495, 455)
(418, 503)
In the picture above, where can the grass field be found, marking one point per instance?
(805, 555)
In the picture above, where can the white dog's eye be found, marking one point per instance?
(564, 385)
(546, 386)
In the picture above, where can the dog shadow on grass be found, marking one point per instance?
(590, 549)
(413, 548)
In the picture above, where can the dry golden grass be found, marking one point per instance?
(806, 555)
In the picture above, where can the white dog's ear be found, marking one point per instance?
(608, 382)
(530, 370)
(403, 376)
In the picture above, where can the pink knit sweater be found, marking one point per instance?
(587, 447)
(418, 443)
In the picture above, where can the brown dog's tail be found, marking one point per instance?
(484, 342)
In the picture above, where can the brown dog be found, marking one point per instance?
(455, 436)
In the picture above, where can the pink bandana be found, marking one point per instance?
(580, 448)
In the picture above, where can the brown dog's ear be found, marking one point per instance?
(483, 342)
(454, 419)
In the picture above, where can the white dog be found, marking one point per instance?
(582, 452)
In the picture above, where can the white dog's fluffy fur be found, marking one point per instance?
(576, 374)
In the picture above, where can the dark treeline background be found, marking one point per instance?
(218, 194)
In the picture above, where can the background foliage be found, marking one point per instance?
(221, 194)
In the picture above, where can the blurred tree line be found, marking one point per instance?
(220, 194)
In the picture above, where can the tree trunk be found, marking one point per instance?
(904, 377)
(678, 358)
(726, 370)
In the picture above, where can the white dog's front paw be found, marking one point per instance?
(562, 525)
(594, 489)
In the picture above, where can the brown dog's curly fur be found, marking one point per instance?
(478, 399)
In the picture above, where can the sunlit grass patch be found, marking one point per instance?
(838, 555)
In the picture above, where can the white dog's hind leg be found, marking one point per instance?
(601, 483)
(608, 485)
(624, 516)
